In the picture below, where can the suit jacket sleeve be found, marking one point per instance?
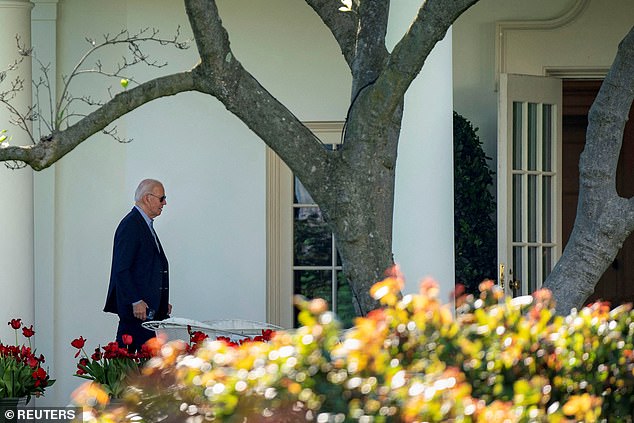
(125, 253)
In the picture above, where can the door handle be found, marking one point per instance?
(515, 286)
(501, 278)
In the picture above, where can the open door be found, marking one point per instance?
(529, 180)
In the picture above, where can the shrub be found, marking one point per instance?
(474, 208)
(499, 360)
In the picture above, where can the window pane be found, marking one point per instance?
(517, 208)
(547, 137)
(517, 135)
(532, 136)
(532, 208)
(532, 269)
(345, 307)
(313, 284)
(547, 212)
(547, 262)
(312, 243)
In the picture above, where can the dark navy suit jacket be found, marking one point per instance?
(138, 269)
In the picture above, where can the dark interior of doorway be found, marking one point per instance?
(617, 284)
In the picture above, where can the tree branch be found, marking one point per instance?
(406, 60)
(223, 76)
(59, 143)
(370, 50)
(342, 25)
(606, 122)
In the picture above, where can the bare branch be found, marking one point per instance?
(59, 143)
(114, 133)
(134, 41)
(18, 118)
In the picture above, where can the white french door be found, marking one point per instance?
(529, 180)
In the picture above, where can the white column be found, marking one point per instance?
(16, 186)
(423, 212)
(44, 40)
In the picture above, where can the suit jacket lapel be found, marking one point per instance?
(149, 238)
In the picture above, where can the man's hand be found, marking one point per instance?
(139, 310)
(169, 309)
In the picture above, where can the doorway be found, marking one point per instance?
(617, 283)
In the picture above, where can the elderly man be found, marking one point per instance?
(139, 279)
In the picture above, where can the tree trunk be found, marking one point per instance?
(591, 249)
(359, 206)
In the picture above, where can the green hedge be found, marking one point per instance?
(499, 360)
(474, 208)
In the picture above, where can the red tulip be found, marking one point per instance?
(97, 355)
(32, 362)
(110, 350)
(78, 343)
(39, 374)
(28, 332)
(15, 323)
(267, 334)
(197, 337)
(127, 339)
(40, 377)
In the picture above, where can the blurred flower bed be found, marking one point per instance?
(496, 359)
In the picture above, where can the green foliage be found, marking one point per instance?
(110, 368)
(500, 360)
(112, 374)
(474, 208)
(21, 371)
(15, 378)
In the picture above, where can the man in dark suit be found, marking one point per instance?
(139, 278)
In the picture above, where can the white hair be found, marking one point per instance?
(145, 187)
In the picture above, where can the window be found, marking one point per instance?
(302, 252)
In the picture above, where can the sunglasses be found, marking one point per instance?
(161, 199)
